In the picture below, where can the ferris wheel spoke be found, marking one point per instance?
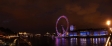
(64, 31)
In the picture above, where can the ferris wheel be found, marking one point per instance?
(64, 30)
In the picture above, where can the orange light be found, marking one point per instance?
(108, 22)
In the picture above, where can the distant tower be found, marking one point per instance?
(72, 28)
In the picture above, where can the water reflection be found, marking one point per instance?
(61, 42)
(73, 41)
(80, 41)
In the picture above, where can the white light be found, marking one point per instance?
(111, 29)
(108, 22)
(47, 33)
(71, 28)
(107, 41)
(20, 33)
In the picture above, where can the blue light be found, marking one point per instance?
(95, 33)
(71, 27)
(83, 34)
(75, 34)
(103, 32)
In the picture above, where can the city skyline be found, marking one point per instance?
(40, 16)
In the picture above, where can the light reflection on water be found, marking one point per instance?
(80, 41)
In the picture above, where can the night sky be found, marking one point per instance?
(37, 16)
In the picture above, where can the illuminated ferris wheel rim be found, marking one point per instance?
(66, 21)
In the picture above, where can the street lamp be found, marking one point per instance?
(109, 25)
(108, 22)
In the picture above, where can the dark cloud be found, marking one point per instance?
(36, 15)
(90, 12)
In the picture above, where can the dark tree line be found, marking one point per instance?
(6, 31)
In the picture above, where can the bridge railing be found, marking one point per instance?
(109, 41)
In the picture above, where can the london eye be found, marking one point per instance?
(64, 30)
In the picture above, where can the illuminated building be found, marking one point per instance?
(72, 28)
(89, 32)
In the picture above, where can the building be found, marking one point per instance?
(89, 32)
(72, 28)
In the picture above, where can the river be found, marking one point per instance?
(47, 41)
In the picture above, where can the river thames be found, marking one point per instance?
(45, 41)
